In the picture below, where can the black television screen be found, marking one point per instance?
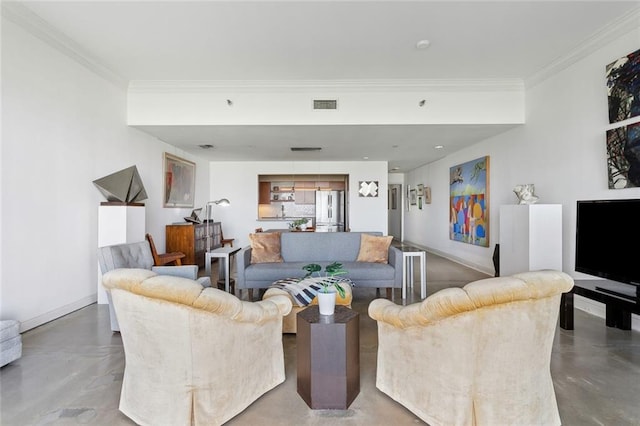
(606, 238)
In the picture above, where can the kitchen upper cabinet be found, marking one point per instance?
(264, 193)
(305, 192)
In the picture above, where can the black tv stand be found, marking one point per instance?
(628, 292)
(618, 298)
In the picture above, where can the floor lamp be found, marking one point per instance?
(207, 208)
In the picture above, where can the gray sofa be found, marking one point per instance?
(138, 255)
(301, 248)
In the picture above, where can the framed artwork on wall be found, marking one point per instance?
(623, 163)
(427, 195)
(413, 197)
(419, 203)
(623, 90)
(394, 198)
(420, 190)
(179, 181)
(368, 188)
(469, 202)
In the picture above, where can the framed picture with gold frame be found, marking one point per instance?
(179, 181)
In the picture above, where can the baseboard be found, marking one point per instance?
(599, 310)
(57, 313)
(461, 261)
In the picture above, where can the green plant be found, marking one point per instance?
(296, 223)
(328, 280)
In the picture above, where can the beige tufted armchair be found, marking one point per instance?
(182, 345)
(477, 355)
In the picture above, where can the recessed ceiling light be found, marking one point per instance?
(439, 146)
(207, 146)
(423, 44)
(365, 158)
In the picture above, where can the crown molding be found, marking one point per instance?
(610, 32)
(341, 86)
(38, 27)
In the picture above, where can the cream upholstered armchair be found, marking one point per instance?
(182, 345)
(477, 355)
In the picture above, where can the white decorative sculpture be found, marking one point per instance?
(525, 193)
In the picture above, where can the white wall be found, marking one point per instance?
(561, 149)
(63, 127)
(238, 181)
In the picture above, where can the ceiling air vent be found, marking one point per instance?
(305, 148)
(325, 104)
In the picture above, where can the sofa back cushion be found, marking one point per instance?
(321, 246)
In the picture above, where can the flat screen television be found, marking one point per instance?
(606, 242)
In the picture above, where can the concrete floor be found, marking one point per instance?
(71, 372)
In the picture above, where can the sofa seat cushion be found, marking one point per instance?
(356, 271)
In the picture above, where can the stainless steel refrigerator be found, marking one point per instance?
(329, 211)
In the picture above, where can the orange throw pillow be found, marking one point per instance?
(374, 249)
(265, 247)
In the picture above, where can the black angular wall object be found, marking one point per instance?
(124, 186)
(496, 259)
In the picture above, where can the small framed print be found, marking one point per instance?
(413, 197)
(427, 195)
(419, 190)
(419, 203)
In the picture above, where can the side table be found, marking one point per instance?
(408, 253)
(224, 254)
(328, 357)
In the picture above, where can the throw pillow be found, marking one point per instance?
(374, 248)
(265, 247)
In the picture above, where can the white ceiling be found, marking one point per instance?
(328, 40)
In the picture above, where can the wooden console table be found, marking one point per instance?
(328, 357)
(618, 308)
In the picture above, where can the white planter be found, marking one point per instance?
(327, 303)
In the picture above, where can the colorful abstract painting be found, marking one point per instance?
(623, 87)
(469, 202)
(623, 156)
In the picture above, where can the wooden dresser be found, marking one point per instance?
(191, 239)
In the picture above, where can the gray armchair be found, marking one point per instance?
(138, 255)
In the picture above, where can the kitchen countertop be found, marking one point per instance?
(282, 219)
(289, 230)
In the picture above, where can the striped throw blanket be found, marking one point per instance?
(304, 290)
